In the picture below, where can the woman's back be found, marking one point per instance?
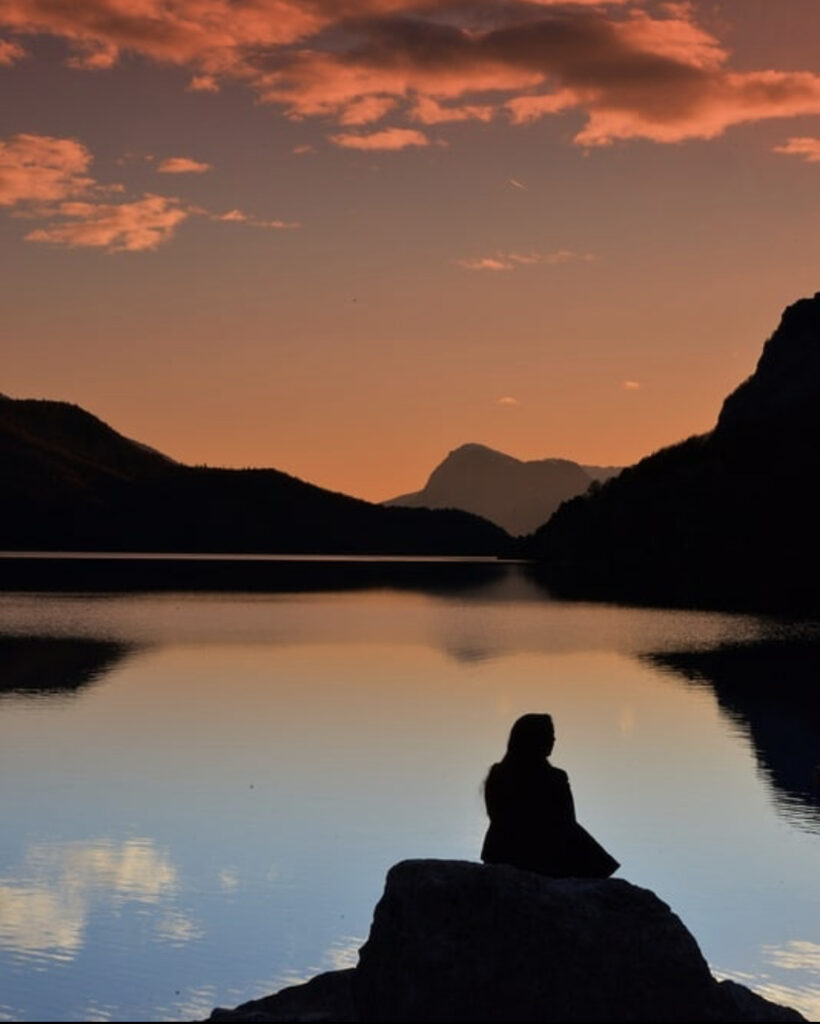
(531, 817)
(531, 811)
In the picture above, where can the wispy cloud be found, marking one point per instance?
(507, 401)
(366, 110)
(182, 165)
(240, 217)
(516, 183)
(631, 385)
(801, 145)
(42, 168)
(502, 260)
(116, 227)
(10, 52)
(46, 178)
(203, 83)
(388, 139)
(428, 110)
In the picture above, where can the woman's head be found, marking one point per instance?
(532, 736)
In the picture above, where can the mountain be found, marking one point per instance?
(73, 483)
(725, 519)
(518, 496)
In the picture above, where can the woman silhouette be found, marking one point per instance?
(531, 811)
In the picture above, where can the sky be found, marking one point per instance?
(343, 237)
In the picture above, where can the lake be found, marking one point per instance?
(201, 792)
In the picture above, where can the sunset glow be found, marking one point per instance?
(343, 237)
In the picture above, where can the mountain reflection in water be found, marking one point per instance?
(53, 666)
(201, 792)
(770, 690)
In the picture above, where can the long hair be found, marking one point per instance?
(531, 738)
(530, 741)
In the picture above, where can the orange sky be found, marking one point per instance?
(341, 237)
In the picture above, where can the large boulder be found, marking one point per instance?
(456, 941)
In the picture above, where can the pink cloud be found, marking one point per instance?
(367, 110)
(390, 138)
(93, 55)
(116, 227)
(214, 36)
(232, 215)
(311, 83)
(801, 145)
(10, 52)
(487, 263)
(240, 217)
(631, 69)
(661, 78)
(502, 260)
(203, 83)
(182, 165)
(44, 178)
(37, 168)
(522, 109)
(274, 225)
(429, 111)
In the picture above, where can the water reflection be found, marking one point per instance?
(112, 573)
(769, 689)
(45, 906)
(282, 750)
(800, 959)
(54, 666)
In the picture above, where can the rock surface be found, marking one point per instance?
(456, 941)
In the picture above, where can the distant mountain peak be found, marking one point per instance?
(475, 446)
(74, 483)
(519, 495)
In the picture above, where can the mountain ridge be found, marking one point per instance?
(723, 519)
(518, 495)
(77, 484)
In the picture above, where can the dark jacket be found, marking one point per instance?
(533, 826)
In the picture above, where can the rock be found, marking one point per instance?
(327, 997)
(456, 941)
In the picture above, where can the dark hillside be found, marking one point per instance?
(72, 483)
(727, 519)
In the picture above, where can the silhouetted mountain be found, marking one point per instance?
(72, 483)
(729, 518)
(601, 473)
(518, 496)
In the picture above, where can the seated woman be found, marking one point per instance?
(532, 815)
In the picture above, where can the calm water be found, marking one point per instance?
(201, 793)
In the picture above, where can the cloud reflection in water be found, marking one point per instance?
(45, 908)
